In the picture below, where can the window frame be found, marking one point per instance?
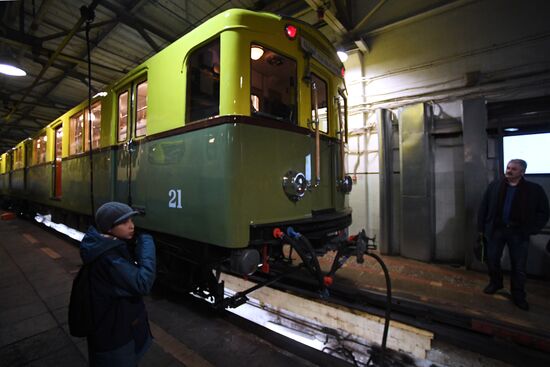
(136, 85)
(84, 114)
(326, 98)
(188, 90)
(295, 121)
(36, 154)
(122, 91)
(131, 88)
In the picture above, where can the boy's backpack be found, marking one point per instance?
(81, 321)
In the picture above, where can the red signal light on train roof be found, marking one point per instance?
(291, 31)
(343, 72)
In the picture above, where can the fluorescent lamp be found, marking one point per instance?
(343, 56)
(100, 94)
(11, 70)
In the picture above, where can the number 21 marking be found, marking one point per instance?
(175, 199)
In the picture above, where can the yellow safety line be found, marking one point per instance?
(30, 238)
(51, 253)
(177, 349)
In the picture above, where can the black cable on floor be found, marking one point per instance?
(388, 307)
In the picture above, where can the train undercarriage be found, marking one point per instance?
(196, 267)
(191, 266)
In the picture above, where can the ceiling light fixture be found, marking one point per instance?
(342, 55)
(10, 66)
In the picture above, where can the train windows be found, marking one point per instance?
(76, 133)
(320, 93)
(203, 82)
(39, 150)
(79, 125)
(18, 158)
(141, 109)
(273, 85)
(122, 116)
(95, 117)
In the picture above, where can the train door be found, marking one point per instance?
(131, 129)
(327, 166)
(58, 136)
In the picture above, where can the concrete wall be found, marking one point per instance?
(481, 51)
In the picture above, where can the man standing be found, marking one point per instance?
(512, 209)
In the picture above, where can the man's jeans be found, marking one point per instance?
(517, 248)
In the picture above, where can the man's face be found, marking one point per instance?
(513, 171)
(124, 230)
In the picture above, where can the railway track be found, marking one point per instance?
(491, 338)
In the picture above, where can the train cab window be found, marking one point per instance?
(39, 150)
(273, 84)
(319, 92)
(203, 82)
(141, 109)
(122, 116)
(76, 133)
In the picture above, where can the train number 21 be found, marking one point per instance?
(175, 198)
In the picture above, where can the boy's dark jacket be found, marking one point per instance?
(118, 282)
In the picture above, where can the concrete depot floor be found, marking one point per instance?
(458, 292)
(452, 288)
(37, 268)
(36, 272)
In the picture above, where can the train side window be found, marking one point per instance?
(322, 102)
(141, 109)
(18, 158)
(273, 85)
(76, 133)
(122, 116)
(95, 117)
(203, 82)
(79, 125)
(39, 150)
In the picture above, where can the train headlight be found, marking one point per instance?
(346, 184)
(295, 185)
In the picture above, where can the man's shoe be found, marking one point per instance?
(521, 303)
(491, 289)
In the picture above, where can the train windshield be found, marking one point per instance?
(273, 85)
(203, 82)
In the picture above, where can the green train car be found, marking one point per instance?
(230, 141)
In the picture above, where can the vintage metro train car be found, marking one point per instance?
(232, 132)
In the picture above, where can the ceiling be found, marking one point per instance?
(48, 39)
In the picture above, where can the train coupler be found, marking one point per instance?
(357, 245)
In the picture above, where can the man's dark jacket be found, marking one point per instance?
(529, 212)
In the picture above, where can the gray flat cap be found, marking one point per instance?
(112, 213)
